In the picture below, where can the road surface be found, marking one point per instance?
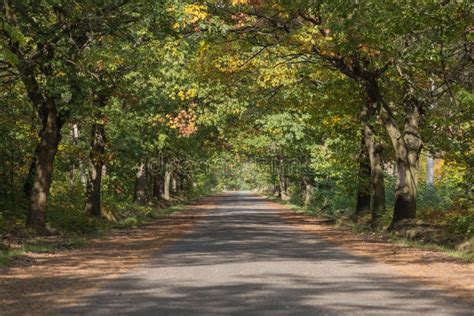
(242, 259)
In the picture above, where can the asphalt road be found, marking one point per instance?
(243, 259)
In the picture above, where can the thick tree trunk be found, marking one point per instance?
(139, 195)
(364, 182)
(407, 149)
(374, 150)
(362, 202)
(94, 179)
(405, 193)
(42, 168)
(28, 183)
(407, 145)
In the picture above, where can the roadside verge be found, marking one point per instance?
(453, 276)
(46, 282)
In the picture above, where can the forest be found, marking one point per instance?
(111, 111)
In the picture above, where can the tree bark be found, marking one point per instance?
(364, 181)
(28, 183)
(166, 185)
(39, 178)
(42, 167)
(157, 186)
(276, 189)
(407, 165)
(308, 192)
(94, 178)
(282, 180)
(374, 150)
(407, 145)
(407, 149)
(139, 195)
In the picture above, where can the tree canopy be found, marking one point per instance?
(339, 105)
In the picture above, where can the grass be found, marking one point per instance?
(391, 238)
(433, 247)
(41, 245)
(6, 256)
(38, 244)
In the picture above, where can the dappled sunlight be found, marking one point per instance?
(62, 277)
(242, 251)
(353, 118)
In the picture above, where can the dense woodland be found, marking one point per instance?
(113, 109)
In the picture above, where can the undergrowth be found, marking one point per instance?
(456, 221)
(68, 227)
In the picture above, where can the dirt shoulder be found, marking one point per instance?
(435, 269)
(40, 283)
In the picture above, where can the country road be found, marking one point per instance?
(243, 259)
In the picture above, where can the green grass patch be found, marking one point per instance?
(41, 245)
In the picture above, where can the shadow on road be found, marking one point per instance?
(243, 259)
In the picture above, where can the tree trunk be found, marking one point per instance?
(139, 195)
(28, 183)
(282, 180)
(407, 145)
(157, 187)
(374, 150)
(405, 193)
(364, 181)
(276, 189)
(407, 149)
(182, 184)
(308, 192)
(94, 179)
(42, 168)
(166, 185)
(179, 180)
(377, 200)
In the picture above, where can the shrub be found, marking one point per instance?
(461, 224)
